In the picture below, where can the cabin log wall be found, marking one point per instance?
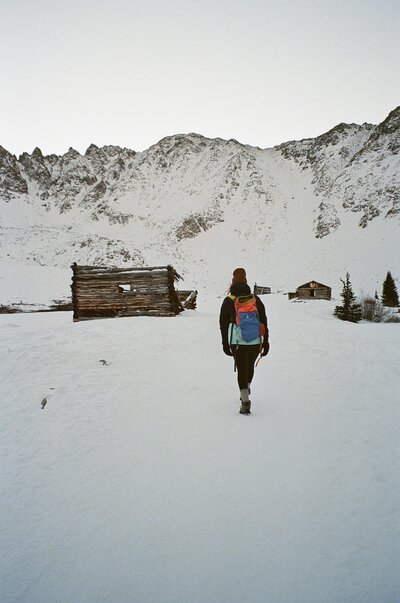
(318, 294)
(312, 290)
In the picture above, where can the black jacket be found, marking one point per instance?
(227, 314)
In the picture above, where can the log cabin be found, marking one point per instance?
(312, 290)
(102, 292)
(260, 290)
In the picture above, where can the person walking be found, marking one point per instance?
(244, 331)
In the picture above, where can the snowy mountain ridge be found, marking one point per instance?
(188, 197)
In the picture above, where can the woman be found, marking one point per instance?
(245, 349)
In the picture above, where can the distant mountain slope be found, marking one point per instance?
(187, 196)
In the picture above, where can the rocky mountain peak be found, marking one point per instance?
(6, 155)
(392, 123)
(186, 185)
(72, 154)
(341, 132)
(92, 149)
(178, 142)
(35, 156)
(387, 134)
(384, 139)
(11, 181)
(37, 153)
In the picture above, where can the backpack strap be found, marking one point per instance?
(233, 298)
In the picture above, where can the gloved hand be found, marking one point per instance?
(265, 349)
(227, 349)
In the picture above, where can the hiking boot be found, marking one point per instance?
(245, 408)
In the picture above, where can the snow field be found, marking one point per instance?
(140, 482)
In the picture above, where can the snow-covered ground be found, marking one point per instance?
(140, 482)
(33, 285)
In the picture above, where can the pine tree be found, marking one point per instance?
(350, 310)
(389, 292)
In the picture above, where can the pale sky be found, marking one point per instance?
(128, 73)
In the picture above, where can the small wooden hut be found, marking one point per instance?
(312, 290)
(259, 290)
(100, 292)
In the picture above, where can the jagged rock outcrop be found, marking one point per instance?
(369, 184)
(11, 180)
(34, 170)
(186, 185)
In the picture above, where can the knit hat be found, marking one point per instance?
(239, 276)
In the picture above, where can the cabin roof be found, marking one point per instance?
(308, 285)
(124, 273)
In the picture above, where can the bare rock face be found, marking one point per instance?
(96, 193)
(11, 181)
(370, 184)
(197, 223)
(331, 153)
(35, 170)
(355, 168)
(386, 136)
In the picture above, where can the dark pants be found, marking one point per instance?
(245, 355)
